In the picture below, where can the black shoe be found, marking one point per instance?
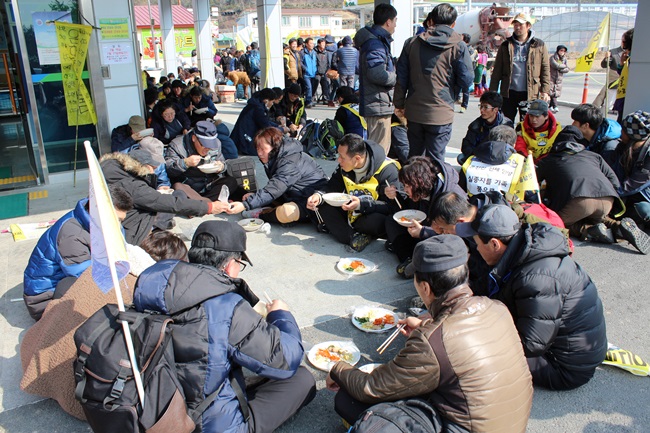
(322, 228)
(359, 242)
(634, 235)
(401, 269)
(389, 246)
(599, 233)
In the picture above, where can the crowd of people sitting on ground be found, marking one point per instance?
(491, 258)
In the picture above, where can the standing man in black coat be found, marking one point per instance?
(554, 303)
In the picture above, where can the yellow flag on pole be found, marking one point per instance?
(598, 40)
(528, 178)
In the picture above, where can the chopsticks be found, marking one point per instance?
(396, 201)
(390, 339)
(268, 298)
(320, 218)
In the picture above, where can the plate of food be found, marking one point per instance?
(323, 356)
(146, 132)
(404, 217)
(369, 368)
(251, 224)
(336, 198)
(374, 319)
(355, 266)
(200, 110)
(211, 167)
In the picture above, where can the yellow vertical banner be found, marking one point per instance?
(73, 48)
(599, 39)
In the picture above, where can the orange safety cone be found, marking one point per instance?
(585, 90)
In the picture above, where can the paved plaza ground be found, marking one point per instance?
(297, 265)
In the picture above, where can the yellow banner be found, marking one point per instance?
(622, 81)
(599, 39)
(626, 360)
(527, 179)
(73, 46)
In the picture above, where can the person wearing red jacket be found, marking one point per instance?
(537, 133)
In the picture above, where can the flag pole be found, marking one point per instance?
(95, 175)
(609, 29)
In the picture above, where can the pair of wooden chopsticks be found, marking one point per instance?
(320, 218)
(390, 339)
(396, 201)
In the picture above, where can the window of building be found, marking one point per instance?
(337, 22)
(305, 22)
(324, 20)
(286, 21)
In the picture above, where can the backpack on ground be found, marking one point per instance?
(312, 143)
(330, 133)
(413, 416)
(105, 384)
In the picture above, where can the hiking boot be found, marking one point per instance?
(254, 213)
(401, 269)
(359, 242)
(634, 235)
(600, 233)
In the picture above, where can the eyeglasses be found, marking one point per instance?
(485, 107)
(242, 265)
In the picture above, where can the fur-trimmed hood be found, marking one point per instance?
(129, 164)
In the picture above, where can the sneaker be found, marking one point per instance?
(600, 233)
(462, 110)
(254, 213)
(634, 235)
(359, 242)
(401, 269)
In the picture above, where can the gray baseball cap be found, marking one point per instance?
(495, 220)
(538, 108)
(437, 254)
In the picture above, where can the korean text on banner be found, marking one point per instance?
(107, 244)
(528, 179)
(73, 48)
(598, 40)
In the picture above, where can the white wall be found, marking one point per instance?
(638, 94)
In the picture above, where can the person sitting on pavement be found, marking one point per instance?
(216, 332)
(364, 172)
(168, 122)
(184, 157)
(399, 140)
(537, 132)
(580, 186)
(423, 179)
(467, 388)
(254, 117)
(63, 253)
(293, 177)
(633, 170)
(601, 135)
(124, 137)
(490, 115)
(293, 109)
(135, 173)
(348, 112)
(494, 165)
(157, 150)
(197, 100)
(554, 303)
(48, 350)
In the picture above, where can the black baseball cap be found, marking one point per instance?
(226, 236)
(495, 220)
(144, 157)
(437, 254)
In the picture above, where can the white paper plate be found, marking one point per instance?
(336, 198)
(326, 365)
(410, 214)
(146, 132)
(251, 224)
(342, 264)
(200, 110)
(210, 167)
(369, 368)
(373, 313)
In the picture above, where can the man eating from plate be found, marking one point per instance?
(199, 147)
(364, 172)
(466, 361)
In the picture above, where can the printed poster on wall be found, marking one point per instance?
(47, 45)
(184, 41)
(116, 53)
(73, 45)
(113, 29)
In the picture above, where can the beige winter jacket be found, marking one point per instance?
(468, 361)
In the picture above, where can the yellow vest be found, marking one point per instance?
(369, 187)
(542, 143)
(298, 114)
(482, 177)
(354, 109)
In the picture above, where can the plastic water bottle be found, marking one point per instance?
(224, 194)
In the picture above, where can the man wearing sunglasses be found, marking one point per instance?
(478, 131)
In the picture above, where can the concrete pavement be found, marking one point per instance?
(297, 265)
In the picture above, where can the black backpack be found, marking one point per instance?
(105, 384)
(330, 133)
(403, 416)
(318, 141)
